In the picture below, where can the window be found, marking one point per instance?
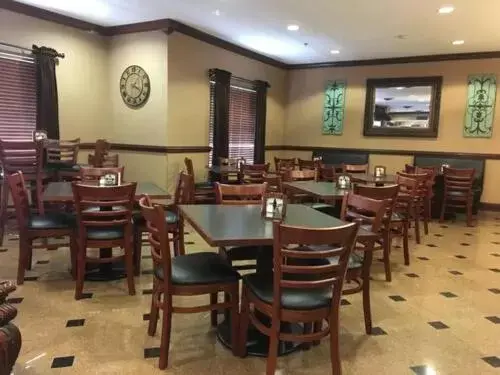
(18, 97)
(242, 115)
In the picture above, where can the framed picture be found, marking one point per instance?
(274, 206)
(110, 179)
(379, 171)
(343, 181)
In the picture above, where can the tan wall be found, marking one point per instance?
(146, 125)
(82, 75)
(305, 110)
(188, 63)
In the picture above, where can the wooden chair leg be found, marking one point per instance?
(137, 250)
(73, 250)
(308, 328)
(417, 222)
(334, 343)
(29, 260)
(366, 292)
(318, 325)
(426, 216)
(235, 318)
(406, 250)
(165, 333)
(23, 259)
(3, 210)
(469, 213)
(387, 254)
(213, 313)
(244, 323)
(129, 267)
(443, 209)
(153, 312)
(80, 271)
(272, 356)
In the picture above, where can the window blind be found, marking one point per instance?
(18, 97)
(242, 115)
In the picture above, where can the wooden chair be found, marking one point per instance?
(25, 157)
(370, 214)
(184, 194)
(355, 168)
(299, 175)
(240, 195)
(104, 228)
(327, 174)
(253, 174)
(308, 164)
(458, 193)
(204, 191)
(37, 226)
(185, 275)
(101, 150)
(62, 158)
(303, 287)
(273, 183)
(94, 174)
(389, 194)
(106, 161)
(422, 208)
(282, 165)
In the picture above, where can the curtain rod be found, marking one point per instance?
(57, 54)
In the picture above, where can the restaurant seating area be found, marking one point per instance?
(249, 187)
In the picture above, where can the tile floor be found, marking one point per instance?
(440, 315)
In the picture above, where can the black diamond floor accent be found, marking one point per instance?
(344, 302)
(444, 226)
(448, 294)
(87, 295)
(431, 245)
(423, 258)
(151, 353)
(494, 290)
(497, 233)
(75, 323)
(412, 275)
(456, 273)
(146, 316)
(465, 244)
(63, 362)
(3, 250)
(495, 243)
(468, 234)
(14, 300)
(42, 262)
(147, 291)
(147, 272)
(494, 319)
(438, 325)
(495, 255)
(438, 235)
(460, 256)
(189, 243)
(495, 269)
(31, 278)
(377, 331)
(492, 361)
(420, 370)
(397, 298)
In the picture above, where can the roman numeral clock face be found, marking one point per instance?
(135, 86)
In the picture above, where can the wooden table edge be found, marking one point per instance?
(320, 196)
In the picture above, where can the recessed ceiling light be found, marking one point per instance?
(399, 88)
(217, 12)
(292, 27)
(334, 51)
(458, 42)
(446, 9)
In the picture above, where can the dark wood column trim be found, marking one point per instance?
(148, 149)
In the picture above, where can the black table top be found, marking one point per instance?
(370, 178)
(228, 225)
(62, 192)
(322, 190)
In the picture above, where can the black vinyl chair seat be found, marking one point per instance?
(292, 299)
(105, 233)
(204, 185)
(51, 220)
(200, 268)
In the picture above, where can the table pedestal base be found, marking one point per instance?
(257, 342)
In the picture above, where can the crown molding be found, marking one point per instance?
(170, 26)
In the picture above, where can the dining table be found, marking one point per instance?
(61, 193)
(370, 178)
(243, 225)
(326, 191)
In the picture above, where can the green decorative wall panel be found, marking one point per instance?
(333, 110)
(480, 108)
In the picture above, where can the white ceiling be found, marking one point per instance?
(360, 29)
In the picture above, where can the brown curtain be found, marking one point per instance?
(260, 122)
(222, 81)
(47, 99)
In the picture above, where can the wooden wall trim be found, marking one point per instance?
(461, 155)
(495, 207)
(170, 26)
(149, 149)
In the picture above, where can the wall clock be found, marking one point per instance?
(135, 86)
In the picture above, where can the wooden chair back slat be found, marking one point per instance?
(184, 191)
(253, 174)
(365, 210)
(327, 174)
(62, 151)
(20, 198)
(388, 193)
(94, 174)
(458, 180)
(239, 194)
(282, 164)
(21, 156)
(301, 175)
(355, 168)
(308, 164)
(274, 183)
